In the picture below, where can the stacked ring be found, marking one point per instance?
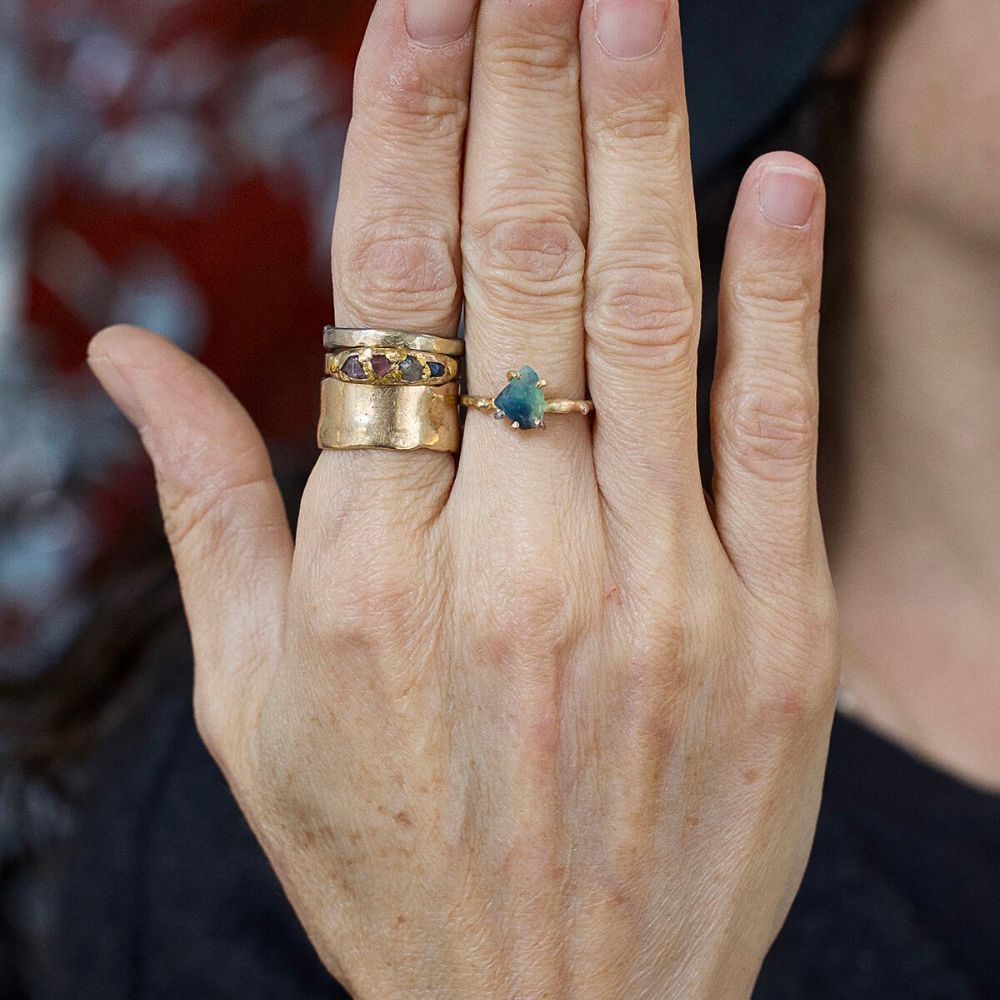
(337, 337)
(389, 389)
(391, 366)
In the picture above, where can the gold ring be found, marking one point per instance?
(391, 366)
(337, 337)
(398, 417)
(523, 402)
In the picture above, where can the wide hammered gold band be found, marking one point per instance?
(390, 389)
(336, 338)
(397, 417)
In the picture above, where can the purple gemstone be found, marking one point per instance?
(353, 368)
(437, 369)
(381, 365)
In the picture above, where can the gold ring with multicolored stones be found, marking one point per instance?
(391, 366)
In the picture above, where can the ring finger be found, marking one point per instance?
(643, 282)
(396, 237)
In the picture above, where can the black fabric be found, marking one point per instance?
(167, 896)
(902, 895)
(746, 60)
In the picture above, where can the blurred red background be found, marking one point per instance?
(170, 163)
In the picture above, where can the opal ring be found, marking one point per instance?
(523, 401)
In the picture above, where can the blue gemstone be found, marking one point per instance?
(522, 401)
(437, 369)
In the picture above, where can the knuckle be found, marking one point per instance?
(806, 622)
(649, 311)
(653, 120)
(658, 641)
(385, 271)
(530, 646)
(798, 674)
(662, 643)
(383, 619)
(529, 60)
(783, 298)
(657, 678)
(378, 605)
(524, 259)
(773, 429)
(823, 619)
(795, 697)
(413, 106)
(656, 688)
(524, 638)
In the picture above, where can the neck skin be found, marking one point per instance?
(917, 562)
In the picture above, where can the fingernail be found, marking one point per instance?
(787, 196)
(118, 388)
(631, 29)
(438, 22)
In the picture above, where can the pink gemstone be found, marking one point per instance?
(381, 365)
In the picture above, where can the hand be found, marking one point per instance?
(547, 724)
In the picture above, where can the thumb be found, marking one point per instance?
(223, 514)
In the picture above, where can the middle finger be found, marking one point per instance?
(524, 228)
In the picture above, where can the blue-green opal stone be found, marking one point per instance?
(522, 401)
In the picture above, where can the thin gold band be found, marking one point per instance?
(336, 338)
(487, 404)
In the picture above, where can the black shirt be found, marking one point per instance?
(166, 895)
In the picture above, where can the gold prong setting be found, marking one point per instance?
(523, 403)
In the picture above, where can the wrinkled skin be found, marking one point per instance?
(544, 722)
